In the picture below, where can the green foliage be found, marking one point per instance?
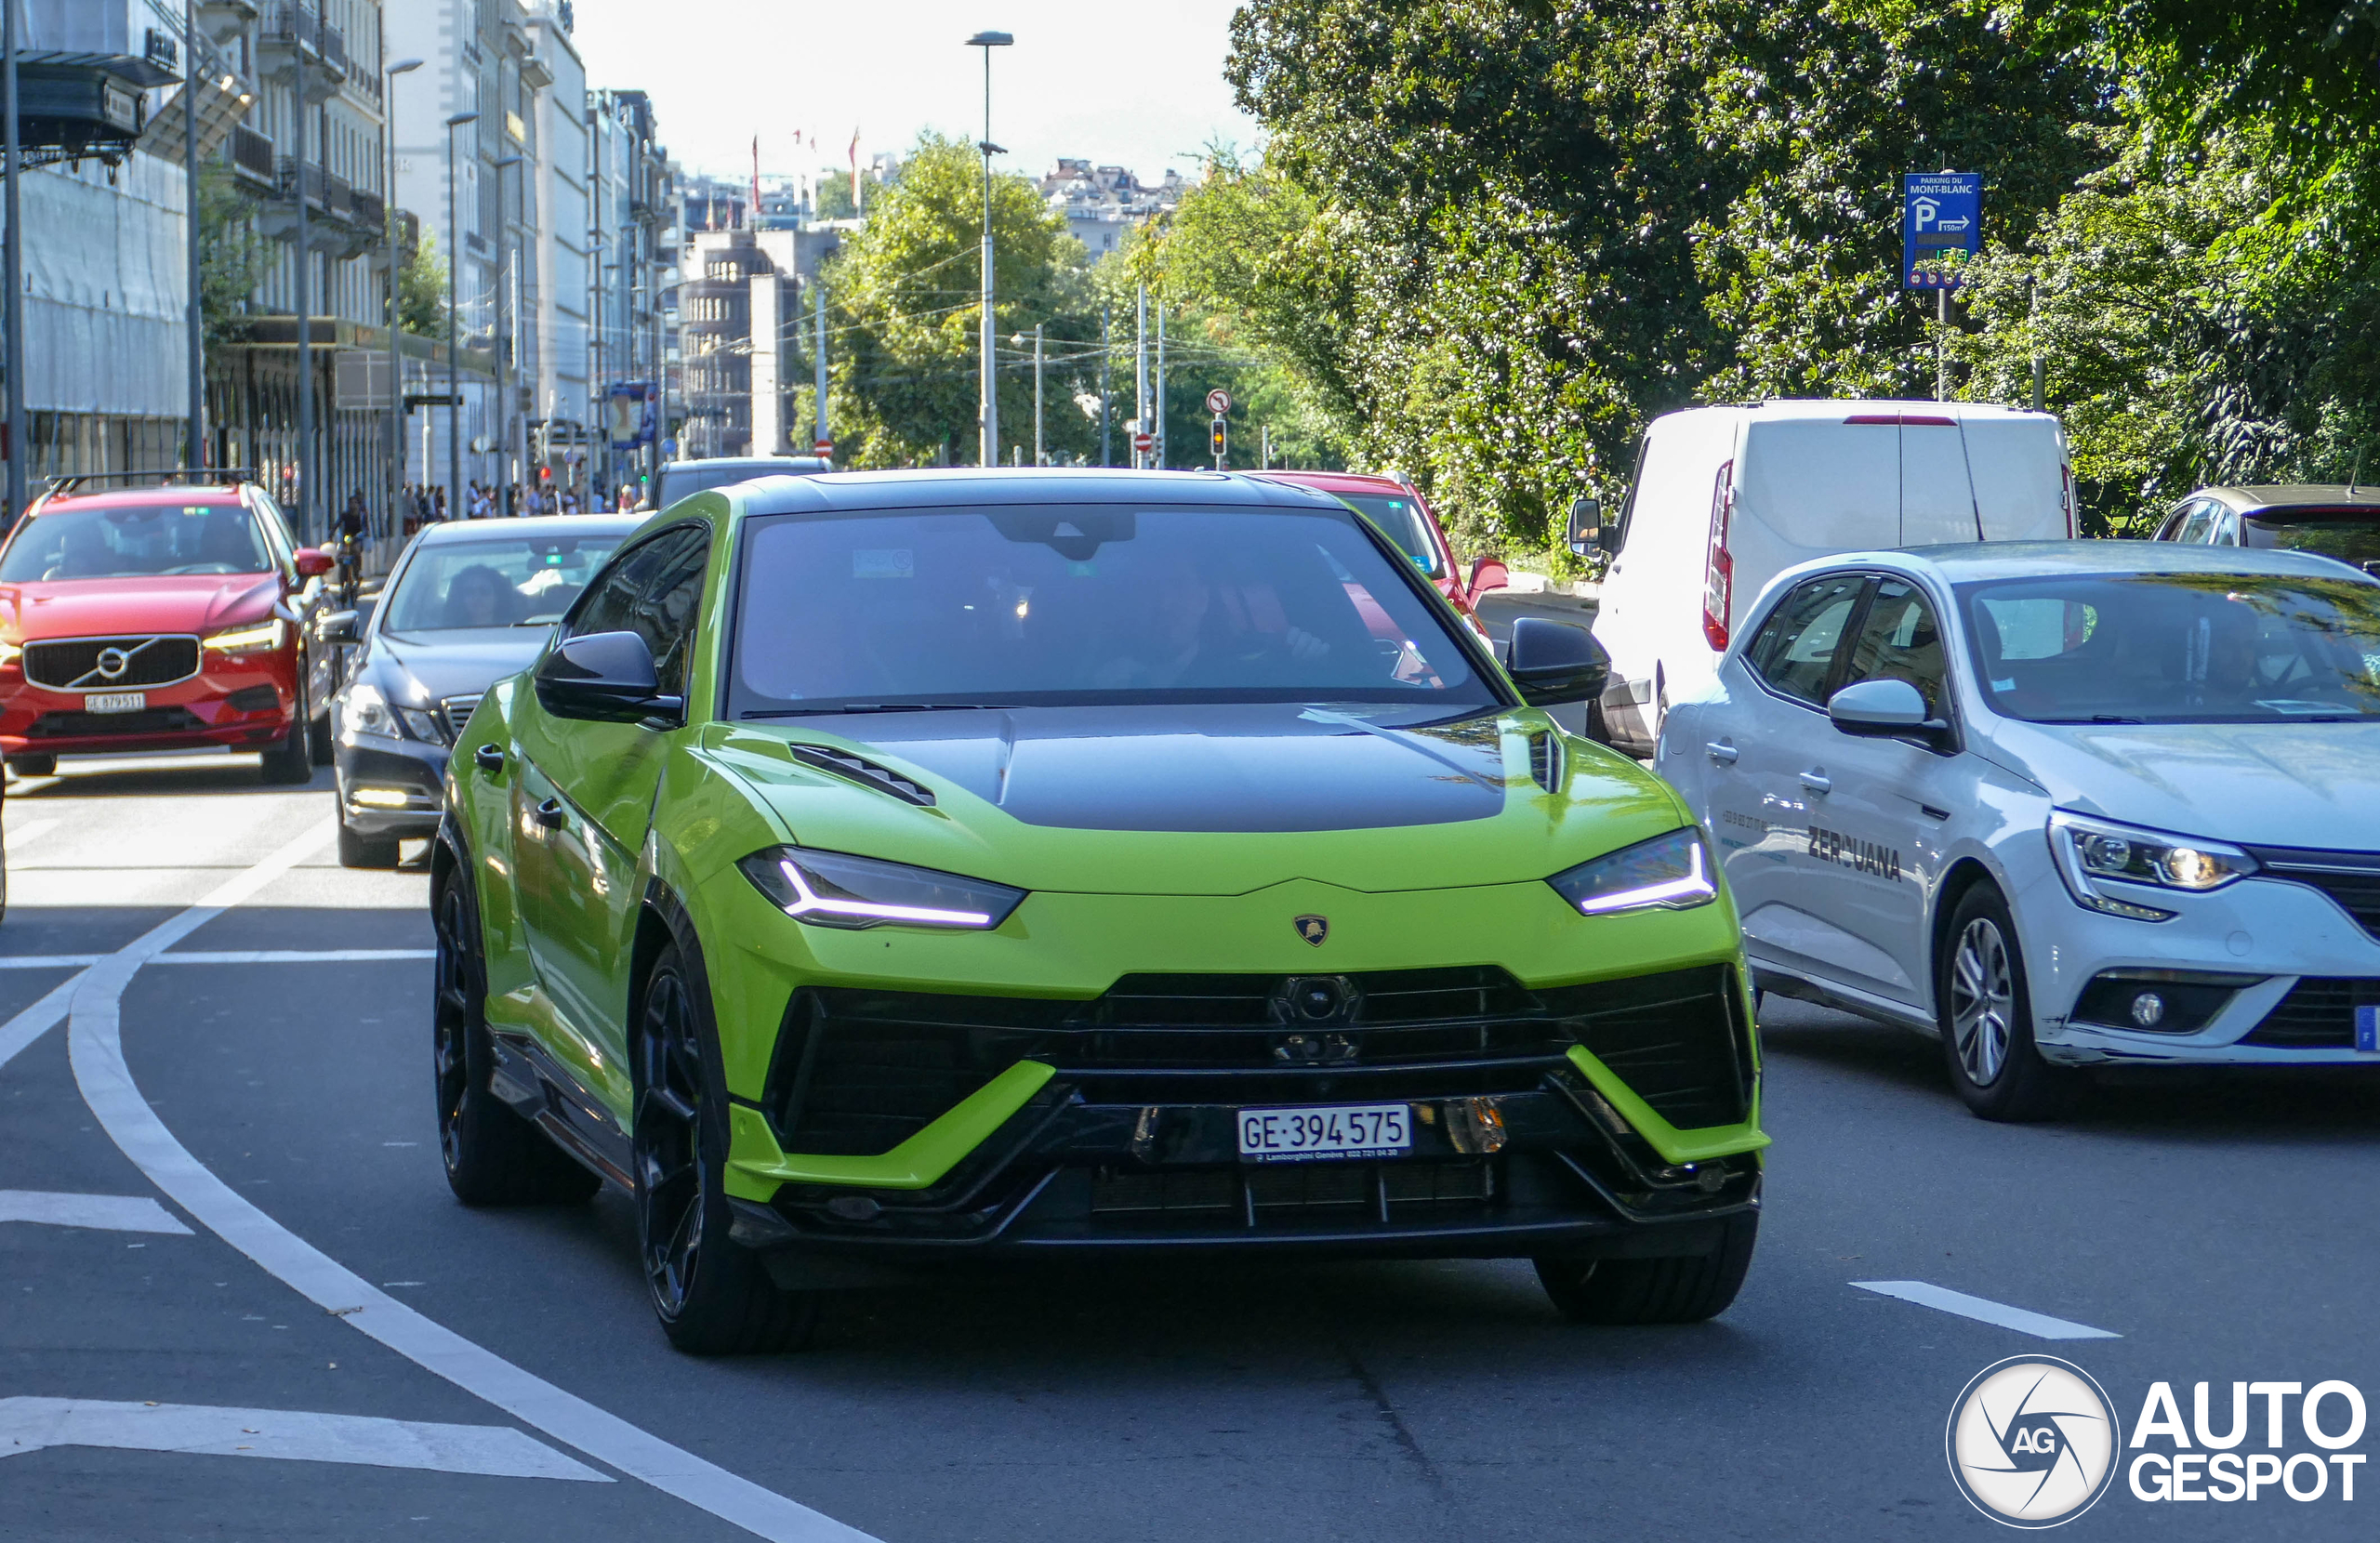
(834, 198)
(231, 256)
(1545, 222)
(422, 289)
(904, 318)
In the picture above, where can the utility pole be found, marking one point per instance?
(1140, 383)
(504, 337)
(1107, 363)
(821, 441)
(396, 360)
(1039, 456)
(599, 453)
(193, 452)
(2040, 364)
(14, 261)
(453, 340)
(305, 499)
(1264, 439)
(1941, 362)
(1160, 430)
(990, 412)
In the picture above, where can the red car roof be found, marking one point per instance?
(136, 497)
(1332, 482)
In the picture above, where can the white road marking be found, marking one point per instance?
(1942, 1300)
(36, 1021)
(95, 1046)
(114, 1213)
(291, 955)
(253, 957)
(29, 1424)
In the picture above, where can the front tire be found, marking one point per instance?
(291, 760)
(359, 850)
(1984, 1012)
(1689, 1289)
(712, 1295)
(492, 1156)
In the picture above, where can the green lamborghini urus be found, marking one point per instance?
(878, 871)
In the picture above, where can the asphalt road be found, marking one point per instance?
(2222, 1229)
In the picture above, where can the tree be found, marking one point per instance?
(1556, 219)
(904, 312)
(421, 288)
(231, 255)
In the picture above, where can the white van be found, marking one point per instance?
(1724, 498)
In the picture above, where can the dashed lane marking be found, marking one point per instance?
(113, 1213)
(95, 1048)
(1983, 1311)
(29, 1424)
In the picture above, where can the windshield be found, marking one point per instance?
(522, 581)
(2350, 535)
(1404, 523)
(1083, 604)
(2177, 648)
(136, 541)
(685, 479)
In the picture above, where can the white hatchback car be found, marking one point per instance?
(2061, 803)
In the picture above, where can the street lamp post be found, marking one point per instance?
(990, 453)
(396, 365)
(507, 303)
(14, 263)
(453, 343)
(195, 434)
(304, 500)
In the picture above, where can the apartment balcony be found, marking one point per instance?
(293, 32)
(336, 222)
(253, 160)
(223, 21)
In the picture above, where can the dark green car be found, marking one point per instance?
(882, 871)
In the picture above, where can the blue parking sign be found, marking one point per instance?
(1942, 227)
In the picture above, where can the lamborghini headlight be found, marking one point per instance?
(1668, 873)
(833, 889)
(255, 638)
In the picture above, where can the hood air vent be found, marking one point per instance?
(1545, 761)
(843, 763)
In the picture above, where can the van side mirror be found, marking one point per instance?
(1586, 524)
(1554, 662)
(604, 677)
(1885, 709)
(314, 561)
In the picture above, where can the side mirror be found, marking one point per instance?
(340, 627)
(1487, 572)
(1586, 524)
(1553, 662)
(314, 561)
(604, 677)
(1884, 709)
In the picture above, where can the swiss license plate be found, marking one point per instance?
(1307, 1133)
(115, 702)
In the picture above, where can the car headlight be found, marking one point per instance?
(2092, 852)
(255, 638)
(422, 725)
(833, 889)
(1668, 873)
(362, 710)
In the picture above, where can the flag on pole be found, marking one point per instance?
(754, 222)
(855, 159)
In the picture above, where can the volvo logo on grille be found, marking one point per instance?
(1313, 929)
(113, 662)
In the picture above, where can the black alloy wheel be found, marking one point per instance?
(712, 1295)
(1985, 1013)
(290, 759)
(34, 763)
(1687, 1289)
(492, 1156)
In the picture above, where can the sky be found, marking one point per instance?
(1140, 85)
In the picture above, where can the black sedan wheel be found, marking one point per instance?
(494, 1157)
(712, 1295)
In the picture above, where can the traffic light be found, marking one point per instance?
(1218, 438)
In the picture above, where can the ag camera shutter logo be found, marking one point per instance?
(2033, 1442)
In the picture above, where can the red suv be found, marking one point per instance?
(160, 618)
(1406, 517)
